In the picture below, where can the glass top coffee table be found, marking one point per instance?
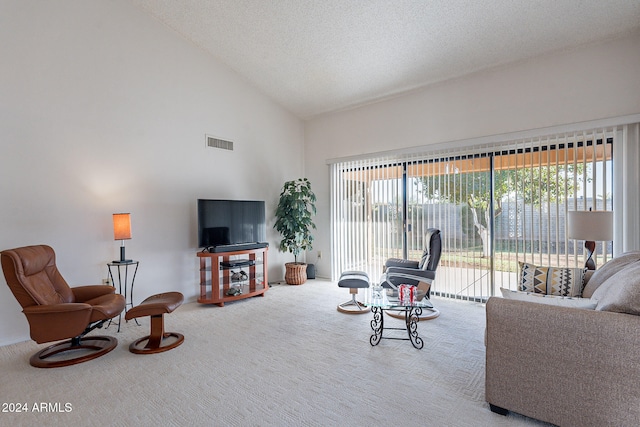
(386, 300)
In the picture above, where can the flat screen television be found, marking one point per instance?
(230, 222)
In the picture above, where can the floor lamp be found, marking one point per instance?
(590, 226)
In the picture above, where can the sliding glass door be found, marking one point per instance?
(495, 206)
(537, 183)
(453, 194)
(367, 213)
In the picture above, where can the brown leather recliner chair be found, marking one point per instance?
(57, 312)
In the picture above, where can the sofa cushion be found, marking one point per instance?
(558, 281)
(549, 299)
(607, 270)
(620, 292)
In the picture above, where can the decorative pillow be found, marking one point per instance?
(621, 292)
(549, 299)
(608, 269)
(560, 281)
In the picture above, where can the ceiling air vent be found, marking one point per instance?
(219, 143)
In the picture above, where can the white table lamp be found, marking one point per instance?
(590, 226)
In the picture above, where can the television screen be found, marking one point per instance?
(230, 222)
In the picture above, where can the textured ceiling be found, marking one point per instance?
(317, 56)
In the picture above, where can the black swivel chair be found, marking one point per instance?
(419, 273)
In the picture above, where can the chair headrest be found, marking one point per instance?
(33, 277)
(34, 259)
(432, 250)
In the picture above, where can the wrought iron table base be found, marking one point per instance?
(123, 284)
(411, 319)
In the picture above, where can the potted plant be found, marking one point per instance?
(294, 222)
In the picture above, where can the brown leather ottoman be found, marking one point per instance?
(159, 340)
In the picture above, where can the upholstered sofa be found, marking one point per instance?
(570, 366)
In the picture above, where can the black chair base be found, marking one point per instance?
(72, 352)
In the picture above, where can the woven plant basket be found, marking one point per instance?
(296, 274)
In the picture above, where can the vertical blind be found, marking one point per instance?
(496, 205)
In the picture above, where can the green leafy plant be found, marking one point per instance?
(294, 214)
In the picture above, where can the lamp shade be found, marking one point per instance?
(121, 226)
(590, 225)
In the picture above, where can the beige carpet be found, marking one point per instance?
(285, 359)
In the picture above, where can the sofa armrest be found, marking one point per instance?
(57, 321)
(566, 366)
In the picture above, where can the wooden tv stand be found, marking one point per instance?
(216, 277)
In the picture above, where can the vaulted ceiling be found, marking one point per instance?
(318, 56)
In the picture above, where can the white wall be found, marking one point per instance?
(104, 110)
(592, 82)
